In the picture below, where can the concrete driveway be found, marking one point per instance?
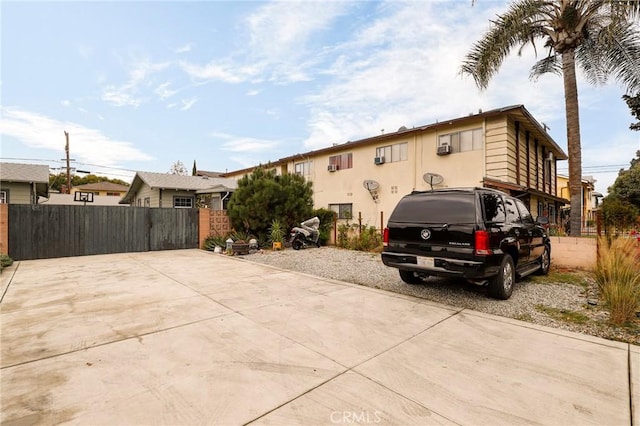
(190, 337)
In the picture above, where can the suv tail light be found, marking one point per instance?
(482, 243)
(385, 237)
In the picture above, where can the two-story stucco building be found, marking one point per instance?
(504, 148)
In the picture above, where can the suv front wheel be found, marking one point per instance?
(410, 277)
(501, 286)
(545, 262)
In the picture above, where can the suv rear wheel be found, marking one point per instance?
(501, 286)
(410, 277)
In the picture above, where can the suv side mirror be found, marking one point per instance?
(542, 220)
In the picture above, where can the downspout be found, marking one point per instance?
(222, 200)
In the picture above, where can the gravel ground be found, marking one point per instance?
(535, 300)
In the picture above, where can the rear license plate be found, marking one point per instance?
(425, 262)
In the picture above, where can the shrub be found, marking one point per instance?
(367, 240)
(212, 241)
(618, 278)
(327, 217)
(5, 260)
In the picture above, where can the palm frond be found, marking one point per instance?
(520, 25)
(550, 64)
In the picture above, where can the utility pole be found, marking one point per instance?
(66, 149)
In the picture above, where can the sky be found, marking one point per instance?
(232, 84)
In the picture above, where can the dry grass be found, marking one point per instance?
(618, 276)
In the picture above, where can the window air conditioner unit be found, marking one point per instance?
(379, 160)
(444, 150)
(332, 167)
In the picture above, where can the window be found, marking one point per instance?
(524, 212)
(344, 211)
(303, 169)
(139, 202)
(147, 202)
(182, 202)
(393, 153)
(512, 212)
(112, 194)
(343, 161)
(4, 197)
(469, 140)
(493, 208)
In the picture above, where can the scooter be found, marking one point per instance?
(306, 234)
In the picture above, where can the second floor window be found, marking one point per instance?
(393, 153)
(303, 169)
(343, 161)
(469, 140)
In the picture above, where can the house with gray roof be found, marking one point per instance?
(23, 183)
(150, 189)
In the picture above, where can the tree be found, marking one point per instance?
(56, 181)
(194, 171)
(178, 168)
(634, 105)
(599, 35)
(627, 185)
(263, 196)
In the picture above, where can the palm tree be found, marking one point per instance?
(601, 36)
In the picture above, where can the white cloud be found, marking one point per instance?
(235, 143)
(183, 49)
(220, 70)
(188, 103)
(164, 92)
(65, 103)
(402, 68)
(128, 94)
(254, 92)
(87, 145)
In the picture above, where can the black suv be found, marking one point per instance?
(479, 234)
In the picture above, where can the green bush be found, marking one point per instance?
(327, 217)
(369, 239)
(618, 278)
(5, 260)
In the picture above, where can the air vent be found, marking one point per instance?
(378, 160)
(332, 167)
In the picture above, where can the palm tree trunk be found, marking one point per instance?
(573, 139)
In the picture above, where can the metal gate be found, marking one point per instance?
(43, 231)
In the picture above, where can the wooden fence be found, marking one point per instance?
(40, 232)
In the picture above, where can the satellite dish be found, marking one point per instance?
(432, 179)
(370, 185)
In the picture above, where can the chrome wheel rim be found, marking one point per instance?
(507, 276)
(545, 260)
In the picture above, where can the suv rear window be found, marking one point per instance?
(436, 208)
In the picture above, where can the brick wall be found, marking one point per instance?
(4, 228)
(212, 222)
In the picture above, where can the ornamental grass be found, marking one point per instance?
(618, 276)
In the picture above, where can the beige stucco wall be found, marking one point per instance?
(395, 179)
(19, 192)
(573, 252)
